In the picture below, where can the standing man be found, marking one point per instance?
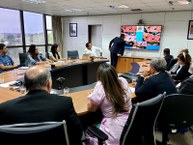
(93, 50)
(38, 105)
(6, 62)
(116, 47)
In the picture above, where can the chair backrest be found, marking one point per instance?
(139, 128)
(135, 68)
(176, 111)
(73, 54)
(44, 133)
(171, 64)
(22, 59)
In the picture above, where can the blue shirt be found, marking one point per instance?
(33, 61)
(6, 61)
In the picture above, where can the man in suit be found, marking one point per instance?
(167, 56)
(187, 85)
(159, 82)
(38, 105)
(116, 47)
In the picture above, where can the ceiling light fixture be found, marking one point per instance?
(73, 10)
(180, 2)
(119, 7)
(35, 1)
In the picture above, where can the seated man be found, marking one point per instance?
(159, 82)
(187, 85)
(167, 56)
(6, 62)
(93, 50)
(38, 105)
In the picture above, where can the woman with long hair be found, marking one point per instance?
(112, 95)
(54, 53)
(184, 64)
(34, 57)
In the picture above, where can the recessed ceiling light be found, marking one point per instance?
(180, 2)
(119, 7)
(73, 10)
(35, 1)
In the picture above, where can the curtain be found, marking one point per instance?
(58, 32)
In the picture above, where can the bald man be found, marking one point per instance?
(39, 105)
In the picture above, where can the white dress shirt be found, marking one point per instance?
(94, 52)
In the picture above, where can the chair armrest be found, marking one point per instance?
(97, 133)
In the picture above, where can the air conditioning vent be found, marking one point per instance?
(136, 10)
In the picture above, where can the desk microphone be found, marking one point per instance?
(60, 81)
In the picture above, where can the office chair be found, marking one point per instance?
(73, 54)
(22, 59)
(139, 128)
(176, 112)
(135, 68)
(43, 133)
(171, 64)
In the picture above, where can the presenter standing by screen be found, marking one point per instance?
(116, 47)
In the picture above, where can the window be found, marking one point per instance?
(34, 30)
(49, 29)
(14, 53)
(10, 27)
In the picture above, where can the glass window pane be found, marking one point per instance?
(50, 37)
(49, 22)
(34, 30)
(10, 27)
(14, 53)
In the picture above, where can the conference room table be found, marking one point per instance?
(79, 98)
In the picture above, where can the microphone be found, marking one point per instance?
(60, 81)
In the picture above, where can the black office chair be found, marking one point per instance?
(135, 68)
(73, 54)
(139, 128)
(44, 133)
(22, 59)
(176, 112)
(171, 64)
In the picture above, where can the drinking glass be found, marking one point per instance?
(1, 78)
(66, 90)
(22, 89)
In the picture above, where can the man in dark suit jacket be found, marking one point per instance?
(38, 105)
(167, 56)
(116, 47)
(159, 82)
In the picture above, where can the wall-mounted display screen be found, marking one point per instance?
(142, 37)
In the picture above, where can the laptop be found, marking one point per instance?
(85, 56)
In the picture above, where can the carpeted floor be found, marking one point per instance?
(178, 138)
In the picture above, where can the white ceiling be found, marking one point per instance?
(93, 7)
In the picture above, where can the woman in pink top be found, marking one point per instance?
(112, 95)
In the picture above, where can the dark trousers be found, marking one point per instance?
(90, 118)
(114, 59)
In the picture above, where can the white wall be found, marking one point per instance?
(174, 34)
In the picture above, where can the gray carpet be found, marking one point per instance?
(178, 138)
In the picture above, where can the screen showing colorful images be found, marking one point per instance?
(142, 37)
